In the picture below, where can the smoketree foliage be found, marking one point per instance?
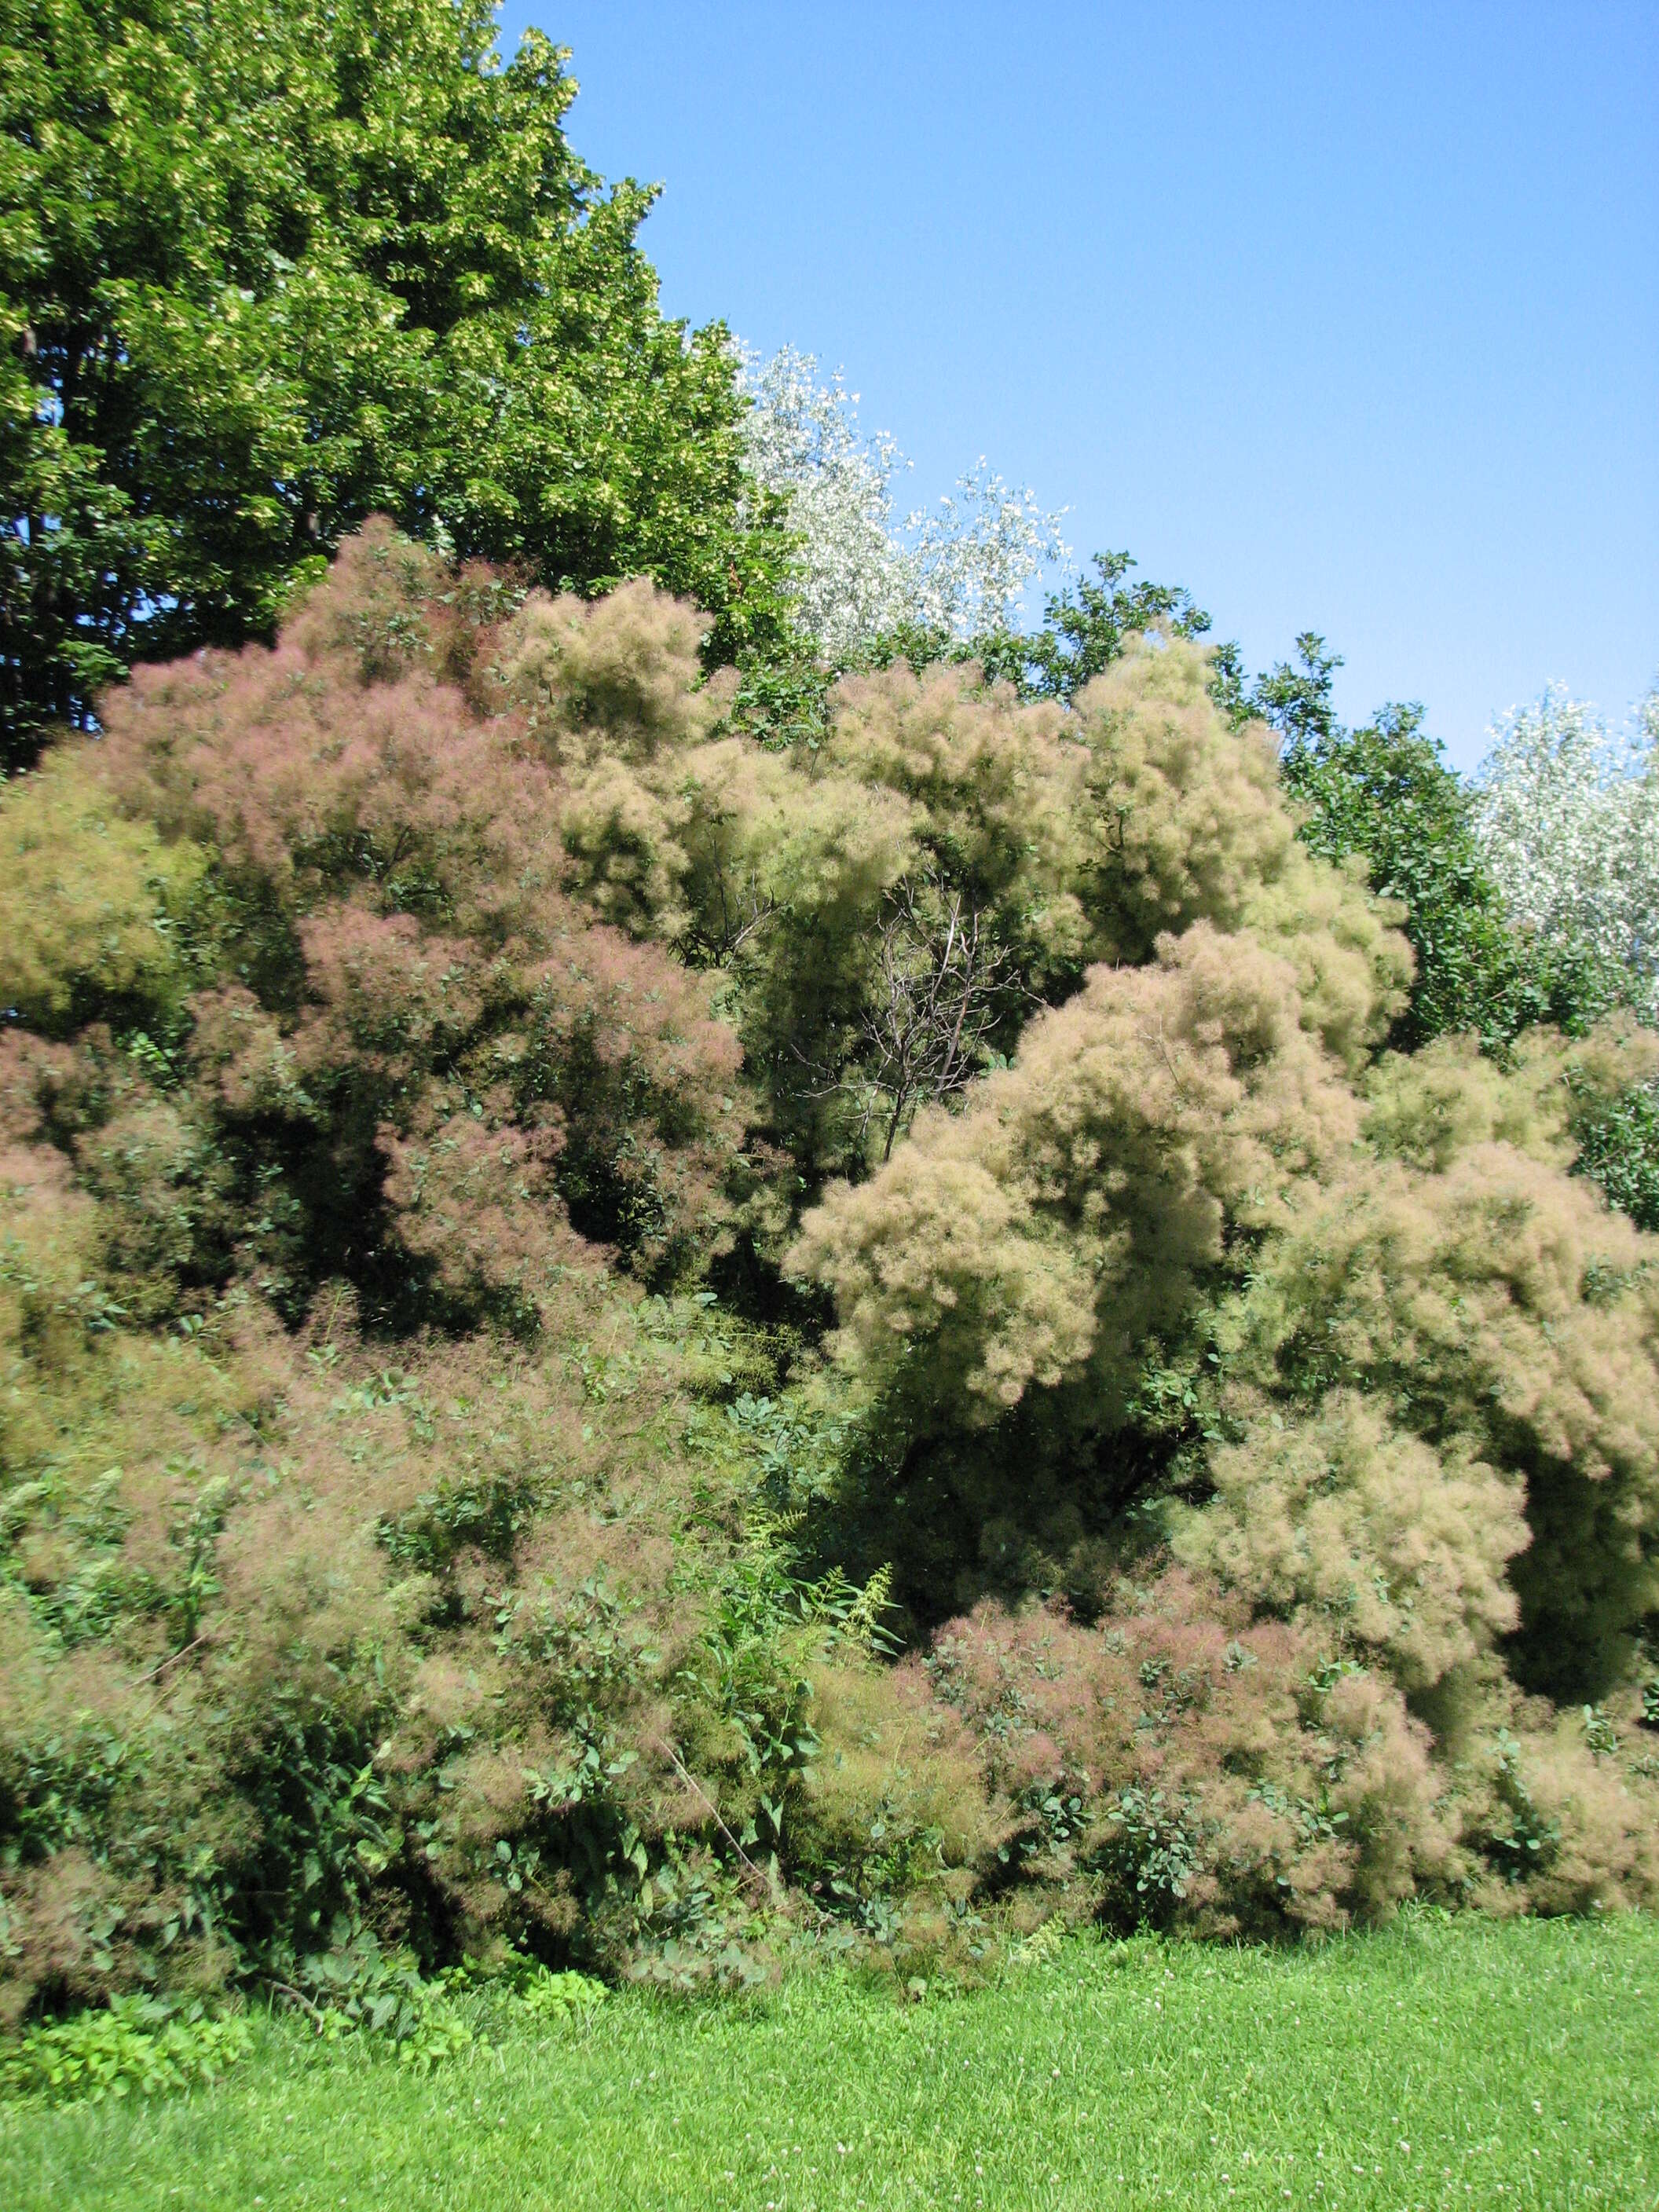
(264, 270)
(630, 1340)
(688, 1271)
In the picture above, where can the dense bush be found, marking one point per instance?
(637, 1344)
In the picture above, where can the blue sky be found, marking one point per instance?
(1346, 317)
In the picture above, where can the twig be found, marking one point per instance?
(1180, 1087)
(691, 1781)
(295, 1997)
(206, 1637)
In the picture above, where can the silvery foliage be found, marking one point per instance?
(959, 567)
(1567, 811)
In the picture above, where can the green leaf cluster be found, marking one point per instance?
(133, 2047)
(264, 270)
(1385, 792)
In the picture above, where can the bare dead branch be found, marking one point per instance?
(940, 983)
(741, 913)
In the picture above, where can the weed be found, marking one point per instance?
(132, 2046)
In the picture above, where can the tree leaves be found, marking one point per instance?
(264, 270)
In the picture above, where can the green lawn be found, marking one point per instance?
(1441, 2064)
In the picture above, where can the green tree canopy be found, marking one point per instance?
(1088, 626)
(1386, 791)
(264, 269)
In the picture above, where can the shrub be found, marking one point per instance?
(97, 905)
(1179, 1772)
(881, 1358)
(1066, 1217)
(895, 1794)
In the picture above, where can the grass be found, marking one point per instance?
(1443, 2063)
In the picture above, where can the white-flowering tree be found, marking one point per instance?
(958, 568)
(1567, 812)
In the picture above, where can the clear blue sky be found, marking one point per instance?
(1346, 316)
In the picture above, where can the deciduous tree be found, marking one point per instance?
(265, 268)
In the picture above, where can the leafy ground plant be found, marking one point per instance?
(359, 1989)
(550, 1999)
(1445, 2062)
(133, 2047)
